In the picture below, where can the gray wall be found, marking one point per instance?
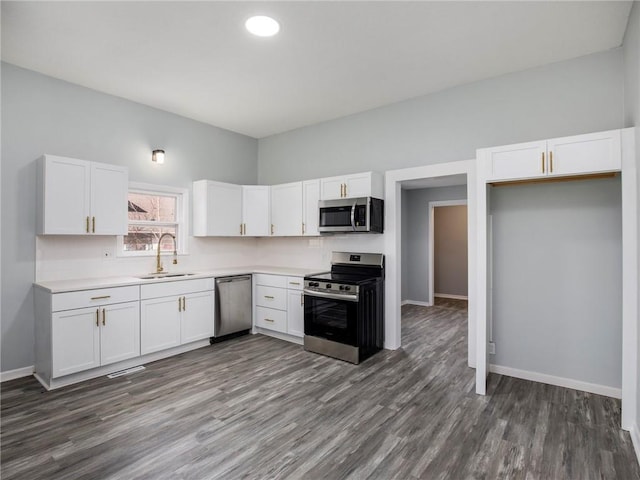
(557, 303)
(450, 250)
(632, 117)
(577, 96)
(415, 237)
(44, 115)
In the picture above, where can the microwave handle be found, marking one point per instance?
(353, 216)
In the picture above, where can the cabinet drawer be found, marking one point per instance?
(179, 287)
(271, 319)
(270, 280)
(271, 297)
(90, 298)
(295, 283)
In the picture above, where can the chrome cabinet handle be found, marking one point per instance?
(179, 304)
(101, 297)
(104, 316)
(97, 317)
(93, 220)
(87, 224)
(268, 320)
(184, 304)
(270, 297)
(550, 162)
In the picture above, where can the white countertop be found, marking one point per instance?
(61, 286)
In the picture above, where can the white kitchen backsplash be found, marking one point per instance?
(314, 252)
(69, 257)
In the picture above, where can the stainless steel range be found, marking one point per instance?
(344, 308)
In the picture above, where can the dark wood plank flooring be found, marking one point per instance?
(257, 407)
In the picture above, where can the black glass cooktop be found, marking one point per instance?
(339, 278)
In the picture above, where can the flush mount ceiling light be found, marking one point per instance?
(157, 156)
(262, 26)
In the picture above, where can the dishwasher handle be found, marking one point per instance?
(233, 279)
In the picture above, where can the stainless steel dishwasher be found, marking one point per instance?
(233, 305)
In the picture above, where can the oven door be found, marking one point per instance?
(331, 317)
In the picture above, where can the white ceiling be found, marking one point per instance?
(330, 59)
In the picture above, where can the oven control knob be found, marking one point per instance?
(347, 288)
(328, 285)
(313, 284)
(341, 287)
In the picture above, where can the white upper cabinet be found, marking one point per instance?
(577, 155)
(229, 210)
(286, 209)
(217, 209)
(517, 161)
(109, 192)
(367, 184)
(584, 154)
(310, 198)
(256, 211)
(78, 197)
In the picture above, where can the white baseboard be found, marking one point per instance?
(453, 297)
(416, 302)
(557, 381)
(635, 439)
(17, 373)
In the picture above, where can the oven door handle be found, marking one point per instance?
(353, 215)
(333, 296)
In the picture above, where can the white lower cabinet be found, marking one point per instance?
(70, 339)
(159, 324)
(279, 304)
(75, 341)
(176, 313)
(295, 313)
(197, 317)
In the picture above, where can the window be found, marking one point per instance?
(154, 210)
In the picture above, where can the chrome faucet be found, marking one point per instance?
(159, 268)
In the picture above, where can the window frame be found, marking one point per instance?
(182, 218)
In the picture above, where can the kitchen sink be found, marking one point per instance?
(152, 276)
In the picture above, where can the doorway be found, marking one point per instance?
(397, 182)
(448, 250)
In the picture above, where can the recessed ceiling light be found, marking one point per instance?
(262, 26)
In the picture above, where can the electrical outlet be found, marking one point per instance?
(492, 348)
(107, 254)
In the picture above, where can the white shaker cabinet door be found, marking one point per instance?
(331, 188)
(75, 340)
(159, 324)
(64, 196)
(295, 313)
(585, 154)
(513, 162)
(109, 190)
(197, 316)
(310, 198)
(286, 209)
(256, 210)
(217, 209)
(119, 332)
(358, 185)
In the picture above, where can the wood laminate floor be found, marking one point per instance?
(257, 408)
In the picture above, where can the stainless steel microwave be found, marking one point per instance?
(343, 215)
